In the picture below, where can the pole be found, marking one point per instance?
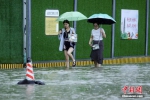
(147, 22)
(28, 27)
(74, 25)
(113, 29)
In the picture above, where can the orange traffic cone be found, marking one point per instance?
(30, 75)
(29, 71)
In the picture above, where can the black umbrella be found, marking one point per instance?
(101, 19)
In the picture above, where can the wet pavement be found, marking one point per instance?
(79, 83)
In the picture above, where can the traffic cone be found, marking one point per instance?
(29, 71)
(30, 75)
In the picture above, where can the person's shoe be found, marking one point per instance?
(99, 66)
(74, 63)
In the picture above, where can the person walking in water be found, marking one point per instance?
(66, 45)
(96, 42)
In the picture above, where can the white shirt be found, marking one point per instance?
(97, 35)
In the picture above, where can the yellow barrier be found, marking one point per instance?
(81, 63)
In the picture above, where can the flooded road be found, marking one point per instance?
(79, 83)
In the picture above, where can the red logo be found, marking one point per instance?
(132, 89)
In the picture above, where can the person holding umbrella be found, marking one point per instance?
(97, 34)
(67, 35)
(65, 44)
(96, 42)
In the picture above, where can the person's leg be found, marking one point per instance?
(67, 58)
(95, 63)
(100, 62)
(70, 50)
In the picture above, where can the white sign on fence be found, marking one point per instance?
(51, 25)
(129, 24)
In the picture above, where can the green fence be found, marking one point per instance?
(45, 48)
(149, 34)
(11, 35)
(131, 47)
(89, 7)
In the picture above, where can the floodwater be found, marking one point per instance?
(79, 83)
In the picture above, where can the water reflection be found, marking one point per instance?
(30, 91)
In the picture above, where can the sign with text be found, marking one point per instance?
(129, 24)
(51, 25)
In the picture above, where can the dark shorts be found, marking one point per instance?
(68, 44)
